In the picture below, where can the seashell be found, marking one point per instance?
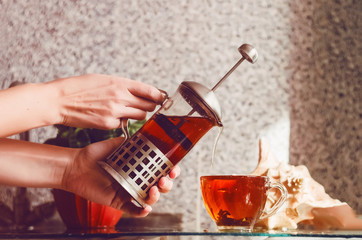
(308, 204)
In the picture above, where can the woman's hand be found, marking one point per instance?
(99, 101)
(88, 101)
(86, 178)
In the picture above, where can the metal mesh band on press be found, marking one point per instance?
(140, 163)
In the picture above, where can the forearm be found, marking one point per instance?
(33, 165)
(27, 106)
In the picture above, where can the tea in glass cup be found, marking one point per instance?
(236, 202)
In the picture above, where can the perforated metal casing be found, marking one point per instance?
(137, 165)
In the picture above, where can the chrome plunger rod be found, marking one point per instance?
(247, 52)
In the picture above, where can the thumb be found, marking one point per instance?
(104, 148)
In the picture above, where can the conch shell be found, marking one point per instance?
(307, 203)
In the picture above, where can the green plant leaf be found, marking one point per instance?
(81, 137)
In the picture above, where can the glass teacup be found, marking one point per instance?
(236, 202)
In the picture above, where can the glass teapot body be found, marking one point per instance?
(164, 139)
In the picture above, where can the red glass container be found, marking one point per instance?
(79, 213)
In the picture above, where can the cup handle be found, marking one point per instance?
(279, 203)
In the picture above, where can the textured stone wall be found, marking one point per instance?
(303, 94)
(326, 96)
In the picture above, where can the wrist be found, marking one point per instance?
(53, 91)
(64, 175)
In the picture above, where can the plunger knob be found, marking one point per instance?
(248, 52)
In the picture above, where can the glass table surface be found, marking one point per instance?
(117, 233)
(136, 229)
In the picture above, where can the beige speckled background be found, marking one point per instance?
(304, 94)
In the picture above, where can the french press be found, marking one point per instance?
(171, 132)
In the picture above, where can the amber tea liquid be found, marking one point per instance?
(176, 135)
(234, 200)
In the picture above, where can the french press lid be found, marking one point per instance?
(201, 99)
